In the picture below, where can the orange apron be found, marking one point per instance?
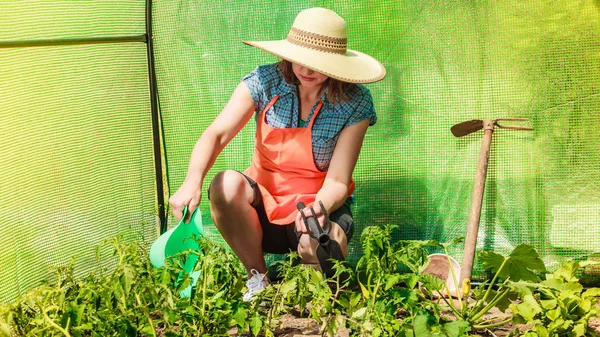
(284, 167)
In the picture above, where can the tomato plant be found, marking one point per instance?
(381, 296)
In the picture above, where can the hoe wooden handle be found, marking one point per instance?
(466, 268)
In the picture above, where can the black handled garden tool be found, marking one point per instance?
(460, 130)
(327, 248)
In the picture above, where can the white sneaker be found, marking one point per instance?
(256, 283)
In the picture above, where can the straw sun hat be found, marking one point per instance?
(318, 41)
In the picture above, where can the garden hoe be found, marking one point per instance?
(180, 239)
(327, 249)
(440, 267)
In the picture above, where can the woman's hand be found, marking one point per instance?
(189, 194)
(300, 224)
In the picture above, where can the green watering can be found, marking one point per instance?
(179, 239)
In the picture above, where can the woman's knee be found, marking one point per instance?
(337, 233)
(227, 186)
(307, 248)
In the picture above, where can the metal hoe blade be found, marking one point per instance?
(465, 128)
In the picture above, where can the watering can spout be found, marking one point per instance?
(179, 239)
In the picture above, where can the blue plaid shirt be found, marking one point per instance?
(267, 81)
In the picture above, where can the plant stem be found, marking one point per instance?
(335, 297)
(494, 320)
(490, 286)
(143, 305)
(53, 324)
(451, 305)
(490, 332)
(487, 326)
(374, 298)
(375, 291)
(490, 305)
(273, 305)
(456, 285)
(204, 280)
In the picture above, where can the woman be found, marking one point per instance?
(311, 119)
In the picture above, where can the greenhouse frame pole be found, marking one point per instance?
(156, 125)
(154, 106)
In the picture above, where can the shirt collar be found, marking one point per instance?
(286, 88)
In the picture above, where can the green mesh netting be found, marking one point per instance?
(447, 62)
(76, 157)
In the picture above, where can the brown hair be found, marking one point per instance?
(336, 89)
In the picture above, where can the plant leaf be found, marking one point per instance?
(420, 325)
(432, 283)
(579, 329)
(256, 323)
(548, 304)
(359, 313)
(529, 307)
(364, 290)
(490, 260)
(240, 316)
(525, 310)
(591, 292)
(457, 328)
(410, 280)
(567, 272)
(517, 266)
(288, 287)
(392, 280)
(505, 302)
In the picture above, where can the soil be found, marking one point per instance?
(294, 326)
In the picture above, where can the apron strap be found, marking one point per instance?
(271, 103)
(315, 114)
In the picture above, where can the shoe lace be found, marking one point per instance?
(257, 282)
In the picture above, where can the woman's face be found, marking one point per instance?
(308, 77)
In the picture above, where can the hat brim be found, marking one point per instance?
(351, 67)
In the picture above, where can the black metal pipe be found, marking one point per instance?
(73, 41)
(156, 125)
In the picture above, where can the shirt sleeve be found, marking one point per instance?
(255, 86)
(363, 108)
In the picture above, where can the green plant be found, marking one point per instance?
(557, 306)
(389, 303)
(517, 266)
(328, 308)
(382, 296)
(298, 285)
(134, 299)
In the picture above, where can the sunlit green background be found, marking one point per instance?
(76, 142)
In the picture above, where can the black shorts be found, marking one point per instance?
(281, 239)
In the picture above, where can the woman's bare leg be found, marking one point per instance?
(230, 205)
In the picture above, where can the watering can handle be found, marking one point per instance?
(184, 215)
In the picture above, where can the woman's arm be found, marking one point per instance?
(334, 192)
(234, 116)
(229, 122)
